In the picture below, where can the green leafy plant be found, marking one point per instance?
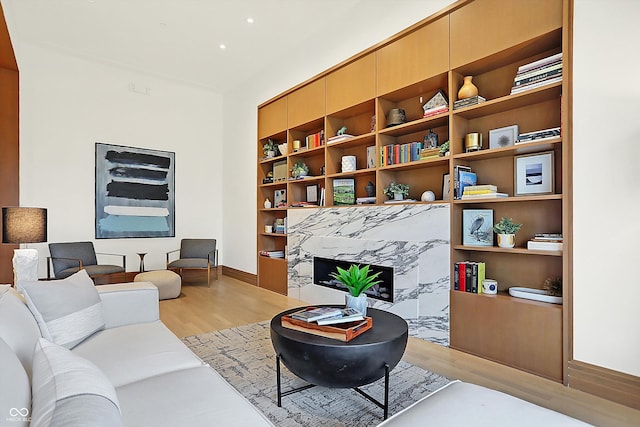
(506, 226)
(270, 145)
(444, 148)
(299, 168)
(397, 188)
(356, 279)
(553, 285)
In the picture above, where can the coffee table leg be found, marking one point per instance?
(278, 380)
(385, 405)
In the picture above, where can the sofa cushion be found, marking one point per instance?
(68, 310)
(195, 397)
(134, 352)
(69, 390)
(18, 328)
(15, 388)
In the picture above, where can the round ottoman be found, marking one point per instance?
(167, 282)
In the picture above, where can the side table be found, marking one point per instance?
(141, 255)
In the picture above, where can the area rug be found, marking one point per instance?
(245, 357)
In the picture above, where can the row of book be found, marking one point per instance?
(538, 73)
(394, 154)
(484, 191)
(546, 242)
(468, 276)
(315, 140)
(464, 173)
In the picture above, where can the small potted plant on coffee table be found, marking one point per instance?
(357, 280)
(506, 230)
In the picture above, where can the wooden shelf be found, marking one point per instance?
(511, 199)
(514, 150)
(496, 249)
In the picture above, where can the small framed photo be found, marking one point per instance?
(279, 198)
(312, 193)
(446, 187)
(477, 227)
(533, 174)
(503, 137)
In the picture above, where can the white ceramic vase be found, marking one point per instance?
(398, 196)
(348, 163)
(506, 240)
(359, 302)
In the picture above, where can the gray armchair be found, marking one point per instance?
(68, 258)
(196, 254)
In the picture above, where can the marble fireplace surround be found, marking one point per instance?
(412, 238)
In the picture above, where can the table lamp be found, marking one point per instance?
(24, 225)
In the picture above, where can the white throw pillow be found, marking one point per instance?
(69, 390)
(15, 389)
(67, 311)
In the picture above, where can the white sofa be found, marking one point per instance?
(157, 380)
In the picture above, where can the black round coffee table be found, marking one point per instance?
(337, 364)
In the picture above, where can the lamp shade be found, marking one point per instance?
(24, 225)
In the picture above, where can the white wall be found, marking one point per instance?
(606, 144)
(68, 104)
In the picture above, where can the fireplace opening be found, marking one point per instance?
(323, 267)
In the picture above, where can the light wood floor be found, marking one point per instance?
(230, 302)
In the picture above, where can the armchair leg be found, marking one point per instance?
(209, 277)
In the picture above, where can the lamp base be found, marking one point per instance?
(25, 267)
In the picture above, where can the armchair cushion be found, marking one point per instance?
(189, 263)
(68, 310)
(70, 390)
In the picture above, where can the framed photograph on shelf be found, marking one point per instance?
(503, 137)
(477, 227)
(533, 174)
(344, 192)
(280, 198)
(446, 187)
(312, 193)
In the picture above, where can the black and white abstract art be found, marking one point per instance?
(135, 192)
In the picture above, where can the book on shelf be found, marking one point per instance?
(312, 314)
(344, 191)
(468, 276)
(543, 75)
(346, 315)
(272, 254)
(466, 102)
(480, 187)
(541, 63)
(396, 202)
(544, 246)
(341, 331)
(494, 195)
(304, 205)
(547, 236)
(365, 200)
(537, 71)
(323, 195)
(538, 84)
(457, 194)
(371, 157)
(315, 140)
(539, 135)
(466, 178)
(339, 138)
(434, 111)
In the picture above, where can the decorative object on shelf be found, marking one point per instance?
(397, 191)
(357, 280)
(438, 103)
(489, 286)
(280, 198)
(267, 203)
(373, 123)
(268, 228)
(280, 171)
(446, 186)
(444, 149)
(472, 141)
(396, 116)
(468, 89)
(341, 131)
(476, 227)
(299, 169)
(282, 148)
(348, 163)
(534, 294)
(270, 148)
(553, 285)
(322, 170)
(534, 174)
(296, 145)
(269, 178)
(370, 189)
(503, 137)
(428, 196)
(430, 140)
(312, 194)
(371, 157)
(506, 230)
(344, 191)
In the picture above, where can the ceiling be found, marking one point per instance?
(179, 39)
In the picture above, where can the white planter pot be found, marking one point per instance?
(359, 303)
(506, 240)
(348, 163)
(398, 196)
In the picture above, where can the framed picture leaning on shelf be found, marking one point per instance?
(477, 227)
(503, 137)
(446, 186)
(533, 174)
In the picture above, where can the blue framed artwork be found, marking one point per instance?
(135, 192)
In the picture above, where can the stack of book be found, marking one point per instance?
(546, 242)
(466, 102)
(538, 73)
(366, 201)
(435, 110)
(437, 104)
(457, 169)
(429, 153)
(485, 191)
(539, 135)
(342, 324)
(272, 254)
(468, 276)
(339, 138)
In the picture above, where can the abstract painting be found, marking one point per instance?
(135, 192)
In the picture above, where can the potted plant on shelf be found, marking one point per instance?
(270, 148)
(299, 169)
(397, 191)
(506, 230)
(357, 280)
(444, 149)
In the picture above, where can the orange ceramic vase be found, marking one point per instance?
(468, 89)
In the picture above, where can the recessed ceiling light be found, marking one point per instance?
(223, 46)
(250, 20)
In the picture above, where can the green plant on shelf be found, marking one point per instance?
(506, 226)
(394, 188)
(299, 169)
(270, 148)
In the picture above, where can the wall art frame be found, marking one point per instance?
(534, 174)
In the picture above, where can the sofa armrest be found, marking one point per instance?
(129, 303)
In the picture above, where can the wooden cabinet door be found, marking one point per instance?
(306, 104)
(416, 56)
(352, 84)
(485, 27)
(272, 274)
(272, 118)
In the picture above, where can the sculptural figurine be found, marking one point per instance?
(342, 130)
